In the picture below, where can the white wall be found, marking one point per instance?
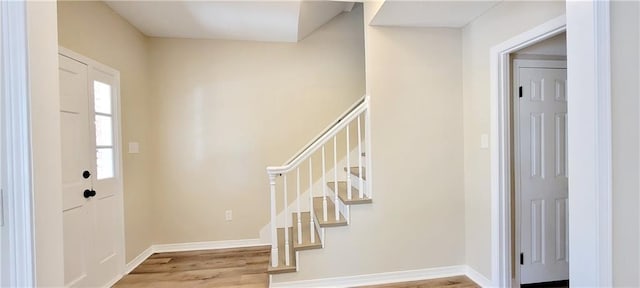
(554, 46)
(416, 219)
(500, 23)
(625, 51)
(92, 29)
(45, 139)
(225, 110)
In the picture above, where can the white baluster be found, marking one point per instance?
(286, 224)
(367, 132)
(348, 165)
(335, 177)
(298, 203)
(274, 231)
(324, 187)
(361, 186)
(312, 226)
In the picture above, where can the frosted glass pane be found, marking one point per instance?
(104, 131)
(104, 161)
(102, 94)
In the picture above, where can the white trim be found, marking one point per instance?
(359, 107)
(327, 130)
(378, 278)
(17, 234)
(138, 260)
(189, 246)
(113, 281)
(391, 277)
(475, 276)
(589, 128)
(193, 246)
(603, 157)
(368, 153)
(500, 152)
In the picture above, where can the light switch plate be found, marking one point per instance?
(484, 141)
(134, 148)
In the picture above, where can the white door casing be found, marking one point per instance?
(541, 170)
(92, 200)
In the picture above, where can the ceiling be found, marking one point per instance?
(430, 13)
(282, 21)
(273, 21)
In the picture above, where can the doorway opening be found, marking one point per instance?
(504, 260)
(538, 164)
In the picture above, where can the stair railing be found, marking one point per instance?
(356, 115)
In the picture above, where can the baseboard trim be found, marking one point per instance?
(178, 247)
(379, 278)
(477, 277)
(113, 281)
(192, 246)
(347, 281)
(138, 260)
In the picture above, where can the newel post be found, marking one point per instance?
(274, 232)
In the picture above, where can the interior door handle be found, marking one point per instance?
(89, 193)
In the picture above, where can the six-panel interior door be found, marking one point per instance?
(542, 132)
(90, 187)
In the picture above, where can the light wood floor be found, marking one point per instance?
(449, 282)
(241, 267)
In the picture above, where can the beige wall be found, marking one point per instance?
(416, 220)
(45, 139)
(625, 109)
(94, 30)
(494, 27)
(224, 110)
(547, 49)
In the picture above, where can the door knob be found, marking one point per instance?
(89, 193)
(86, 174)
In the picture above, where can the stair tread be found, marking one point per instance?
(282, 268)
(354, 171)
(355, 194)
(306, 231)
(331, 219)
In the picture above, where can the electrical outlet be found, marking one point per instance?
(228, 215)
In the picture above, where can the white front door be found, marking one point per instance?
(541, 132)
(92, 195)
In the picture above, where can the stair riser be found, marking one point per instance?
(306, 237)
(343, 208)
(355, 182)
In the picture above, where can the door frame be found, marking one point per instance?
(17, 196)
(589, 143)
(514, 124)
(118, 150)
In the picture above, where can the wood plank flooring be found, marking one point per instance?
(241, 267)
(238, 267)
(449, 282)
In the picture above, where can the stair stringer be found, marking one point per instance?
(338, 242)
(318, 185)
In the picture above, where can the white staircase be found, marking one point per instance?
(307, 214)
